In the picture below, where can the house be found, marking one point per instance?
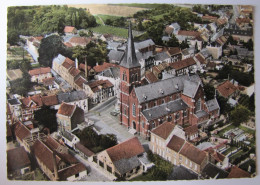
(50, 83)
(79, 41)
(241, 34)
(211, 171)
(216, 51)
(21, 133)
(168, 141)
(172, 29)
(69, 139)
(69, 116)
(209, 18)
(38, 74)
(55, 161)
(102, 67)
(236, 172)
(33, 44)
(78, 98)
(99, 90)
(162, 57)
(185, 66)
(18, 162)
(15, 108)
(227, 89)
(144, 46)
(115, 56)
(122, 160)
(68, 30)
(89, 71)
(146, 60)
(83, 151)
(183, 34)
(150, 77)
(112, 45)
(191, 133)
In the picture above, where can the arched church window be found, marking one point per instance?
(198, 105)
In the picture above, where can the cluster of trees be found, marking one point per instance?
(94, 52)
(239, 115)
(117, 22)
(45, 121)
(21, 85)
(95, 142)
(24, 65)
(242, 78)
(33, 20)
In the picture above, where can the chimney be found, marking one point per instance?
(76, 63)
(56, 178)
(86, 69)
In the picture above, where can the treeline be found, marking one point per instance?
(36, 20)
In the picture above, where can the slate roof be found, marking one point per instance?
(14, 101)
(126, 165)
(212, 171)
(212, 105)
(162, 56)
(182, 173)
(169, 86)
(59, 59)
(183, 63)
(115, 55)
(190, 88)
(226, 89)
(201, 113)
(164, 109)
(193, 153)
(71, 171)
(125, 150)
(168, 30)
(83, 149)
(66, 109)
(112, 72)
(164, 130)
(39, 71)
(238, 173)
(144, 55)
(144, 44)
(129, 59)
(68, 135)
(71, 96)
(17, 158)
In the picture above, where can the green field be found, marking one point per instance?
(150, 6)
(116, 31)
(104, 18)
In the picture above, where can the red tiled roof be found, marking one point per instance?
(105, 65)
(211, 64)
(176, 143)
(200, 59)
(50, 100)
(164, 130)
(68, 44)
(221, 21)
(82, 67)
(125, 150)
(210, 18)
(95, 84)
(68, 29)
(39, 71)
(189, 33)
(74, 71)
(193, 153)
(48, 81)
(71, 171)
(156, 69)
(66, 65)
(66, 109)
(242, 20)
(217, 156)
(21, 131)
(174, 50)
(44, 154)
(83, 149)
(226, 89)
(183, 63)
(193, 129)
(71, 62)
(238, 173)
(17, 158)
(80, 81)
(150, 77)
(80, 40)
(107, 84)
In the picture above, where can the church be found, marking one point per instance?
(179, 100)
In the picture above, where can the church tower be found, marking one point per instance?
(130, 77)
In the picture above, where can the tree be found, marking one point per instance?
(50, 47)
(12, 37)
(239, 115)
(252, 103)
(225, 108)
(209, 91)
(173, 42)
(47, 118)
(21, 85)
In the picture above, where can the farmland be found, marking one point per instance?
(106, 9)
(104, 18)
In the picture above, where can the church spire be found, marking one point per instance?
(129, 60)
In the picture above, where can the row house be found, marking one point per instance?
(99, 90)
(122, 160)
(69, 116)
(143, 107)
(174, 52)
(39, 74)
(169, 142)
(185, 66)
(69, 71)
(56, 162)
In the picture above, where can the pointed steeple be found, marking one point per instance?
(129, 60)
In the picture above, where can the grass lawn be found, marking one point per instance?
(120, 32)
(221, 132)
(247, 130)
(35, 65)
(98, 20)
(238, 154)
(229, 150)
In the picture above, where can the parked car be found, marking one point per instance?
(115, 112)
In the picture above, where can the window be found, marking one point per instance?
(133, 77)
(163, 101)
(136, 77)
(190, 164)
(124, 110)
(133, 109)
(177, 115)
(184, 113)
(195, 167)
(124, 76)
(77, 175)
(142, 124)
(198, 105)
(153, 125)
(169, 118)
(155, 103)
